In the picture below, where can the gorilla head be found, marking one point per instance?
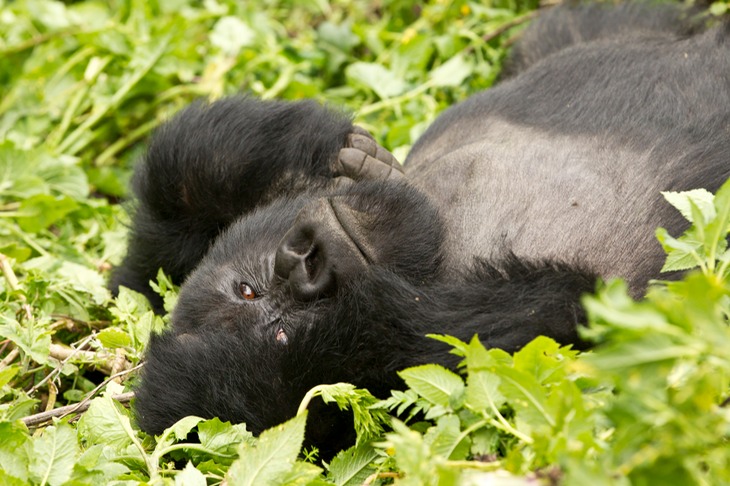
(275, 306)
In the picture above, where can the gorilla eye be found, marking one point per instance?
(246, 291)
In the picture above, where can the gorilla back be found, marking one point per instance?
(327, 264)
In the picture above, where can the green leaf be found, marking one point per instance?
(451, 73)
(376, 77)
(190, 476)
(39, 212)
(352, 466)
(544, 359)
(52, 455)
(682, 254)
(113, 337)
(482, 392)
(412, 455)
(13, 453)
(527, 397)
(434, 383)
(446, 440)
(94, 467)
(273, 456)
(230, 34)
(106, 422)
(179, 430)
(683, 201)
(368, 420)
(223, 437)
(7, 374)
(33, 338)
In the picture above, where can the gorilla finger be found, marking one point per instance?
(373, 149)
(357, 164)
(358, 130)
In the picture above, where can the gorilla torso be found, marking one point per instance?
(588, 139)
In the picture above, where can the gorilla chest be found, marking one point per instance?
(540, 196)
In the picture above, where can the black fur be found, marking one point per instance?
(213, 164)
(513, 203)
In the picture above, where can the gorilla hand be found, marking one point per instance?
(363, 159)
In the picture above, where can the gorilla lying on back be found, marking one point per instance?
(308, 257)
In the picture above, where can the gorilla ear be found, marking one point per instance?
(317, 254)
(363, 159)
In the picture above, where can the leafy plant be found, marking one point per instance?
(84, 83)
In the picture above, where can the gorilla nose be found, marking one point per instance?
(320, 252)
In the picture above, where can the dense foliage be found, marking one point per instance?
(82, 85)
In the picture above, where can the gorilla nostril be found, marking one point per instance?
(301, 260)
(311, 262)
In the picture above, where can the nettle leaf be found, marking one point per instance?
(28, 173)
(527, 397)
(717, 230)
(38, 212)
(13, 453)
(113, 337)
(63, 175)
(446, 439)
(230, 34)
(412, 455)
(303, 473)
(338, 35)
(222, 437)
(52, 455)
(544, 359)
(682, 254)
(190, 477)
(85, 279)
(272, 458)
(434, 383)
(614, 306)
(376, 77)
(368, 420)
(451, 73)
(7, 374)
(352, 466)
(178, 431)
(700, 198)
(482, 392)
(107, 423)
(32, 337)
(94, 467)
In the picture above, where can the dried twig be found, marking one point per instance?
(9, 358)
(62, 354)
(83, 405)
(43, 417)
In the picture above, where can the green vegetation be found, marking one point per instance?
(82, 85)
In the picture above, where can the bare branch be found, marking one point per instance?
(43, 417)
(83, 405)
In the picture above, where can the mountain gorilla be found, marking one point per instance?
(308, 257)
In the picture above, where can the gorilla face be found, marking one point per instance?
(271, 271)
(277, 305)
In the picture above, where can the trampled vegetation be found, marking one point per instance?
(83, 84)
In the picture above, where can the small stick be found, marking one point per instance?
(40, 418)
(83, 405)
